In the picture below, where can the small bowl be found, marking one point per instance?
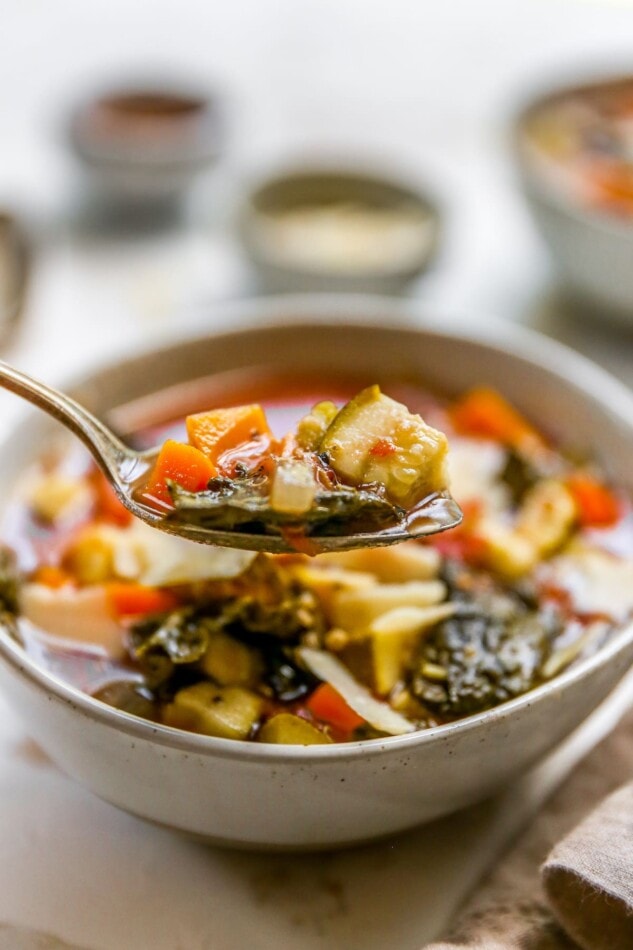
(261, 796)
(592, 249)
(338, 230)
(144, 143)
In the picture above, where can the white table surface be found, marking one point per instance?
(413, 85)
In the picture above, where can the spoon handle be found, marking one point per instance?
(107, 450)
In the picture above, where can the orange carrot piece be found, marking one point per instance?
(611, 184)
(129, 600)
(484, 412)
(329, 707)
(597, 505)
(180, 463)
(52, 576)
(216, 431)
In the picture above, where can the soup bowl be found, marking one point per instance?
(591, 248)
(253, 795)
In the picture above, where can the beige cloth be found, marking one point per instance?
(584, 895)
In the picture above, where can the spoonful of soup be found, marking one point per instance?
(365, 475)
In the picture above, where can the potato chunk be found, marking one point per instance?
(286, 729)
(227, 712)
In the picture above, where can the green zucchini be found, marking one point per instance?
(376, 440)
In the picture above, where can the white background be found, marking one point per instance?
(424, 87)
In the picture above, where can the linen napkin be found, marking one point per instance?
(583, 896)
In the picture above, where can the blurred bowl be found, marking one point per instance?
(592, 248)
(144, 144)
(302, 797)
(14, 273)
(337, 230)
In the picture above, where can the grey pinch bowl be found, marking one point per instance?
(303, 798)
(295, 187)
(591, 250)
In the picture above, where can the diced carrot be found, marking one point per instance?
(128, 600)
(597, 505)
(611, 184)
(51, 576)
(180, 463)
(484, 412)
(329, 706)
(108, 505)
(216, 431)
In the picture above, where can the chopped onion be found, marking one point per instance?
(83, 615)
(294, 487)
(378, 714)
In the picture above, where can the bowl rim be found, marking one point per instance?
(361, 312)
(535, 183)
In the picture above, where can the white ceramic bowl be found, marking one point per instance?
(250, 795)
(592, 250)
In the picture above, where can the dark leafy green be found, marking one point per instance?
(286, 680)
(9, 582)
(242, 504)
(519, 474)
(491, 650)
(261, 608)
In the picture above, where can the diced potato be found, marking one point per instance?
(406, 620)
(543, 525)
(382, 654)
(507, 552)
(355, 610)
(90, 557)
(410, 561)
(227, 712)
(547, 516)
(230, 662)
(379, 661)
(286, 729)
(327, 583)
(56, 497)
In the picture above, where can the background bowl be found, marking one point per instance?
(333, 236)
(592, 250)
(141, 144)
(250, 795)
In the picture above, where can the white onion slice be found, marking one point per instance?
(378, 714)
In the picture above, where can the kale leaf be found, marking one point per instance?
(242, 504)
(491, 650)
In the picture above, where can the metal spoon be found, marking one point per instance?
(127, 469)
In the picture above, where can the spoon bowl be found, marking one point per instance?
(126, 469)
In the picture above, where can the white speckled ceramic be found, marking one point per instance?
(592, 250)
(249, 795)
